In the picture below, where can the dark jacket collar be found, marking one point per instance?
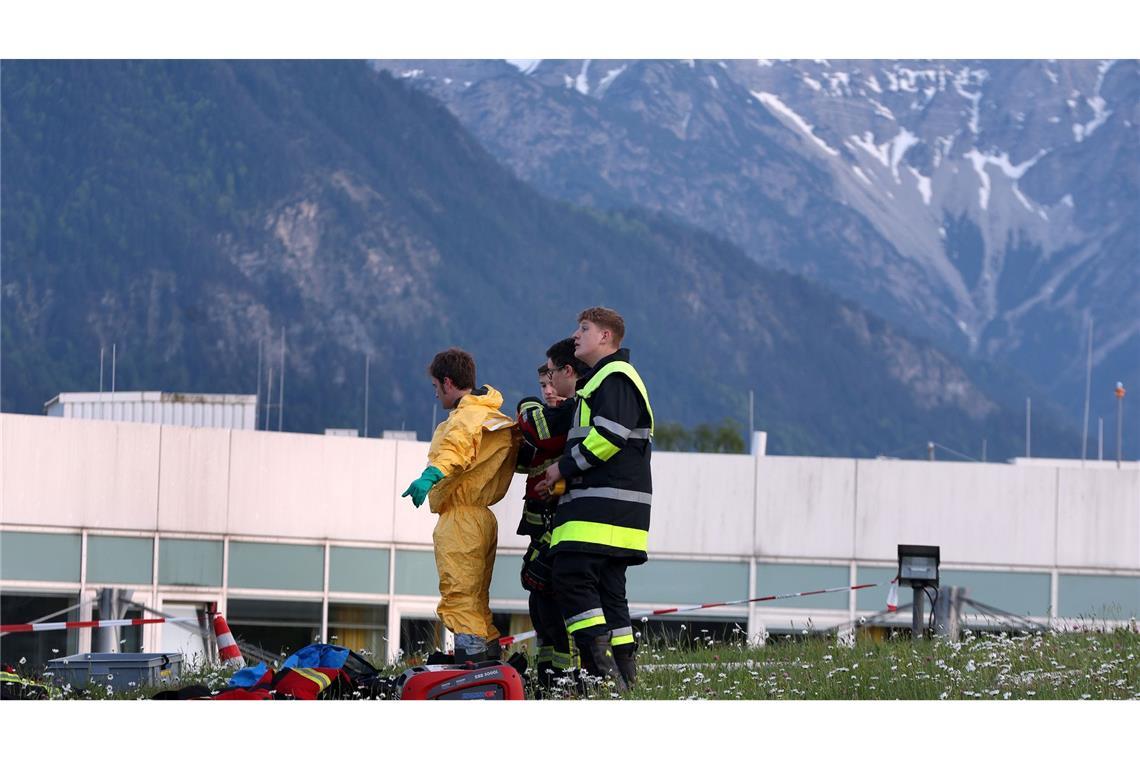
(621, 355)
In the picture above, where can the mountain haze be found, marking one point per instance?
(993, 206)
(190, 211)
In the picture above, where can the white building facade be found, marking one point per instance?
(301, 537)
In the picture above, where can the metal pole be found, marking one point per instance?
(281, 385)
(947, 611)
(1119, 421)
(1100, 439)
(268, 398)
(1028, 426)
(114, 346)
(1088, 390)
(751, 421)
(106, 639)
(916, 614)
(983, 449)
(257, 421)
(367, 362)
(930, 450)
(101, 350)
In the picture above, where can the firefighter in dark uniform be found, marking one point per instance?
(601, 523)
(544, 425)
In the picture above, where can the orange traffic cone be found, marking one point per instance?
(227, 648)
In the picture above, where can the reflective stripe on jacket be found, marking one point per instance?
(606, 465)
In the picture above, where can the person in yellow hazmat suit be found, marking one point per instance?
(470, 464)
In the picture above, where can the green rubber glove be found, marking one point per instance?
(419, 488)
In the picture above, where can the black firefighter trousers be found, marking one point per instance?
(591, 596)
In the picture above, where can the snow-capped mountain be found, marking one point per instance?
(990, 204)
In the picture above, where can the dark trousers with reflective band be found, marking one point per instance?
(591, 594)
(554, 645)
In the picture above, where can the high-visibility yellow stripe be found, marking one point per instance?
(624, 368)
(540, 424)
(618, 640)
(320, 679)
(600, 533)
(599, 446)
(591, 621)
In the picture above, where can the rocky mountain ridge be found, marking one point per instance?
(991, 205)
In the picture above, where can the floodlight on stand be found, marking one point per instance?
(918, 565)
(918, 568)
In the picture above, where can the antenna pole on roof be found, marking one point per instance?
(1028, 426)
(1100, 439)
(281, 385)
(101, 351)
(268, 398)
(751, 421)
(1088, 391)
(114, 346)
(257, 396)
(367, 362)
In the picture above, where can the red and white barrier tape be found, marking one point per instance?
(23, 627)
(506, 641)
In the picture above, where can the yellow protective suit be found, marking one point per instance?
(475, 449)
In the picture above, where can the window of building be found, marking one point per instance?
(36, 648)
(278, 626)
(419, 637)
(363, 628)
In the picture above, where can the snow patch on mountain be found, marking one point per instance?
(881, 109)
(923, 184)
(773, 103)
(1013, 171)
(838, 83)
(609, 78)
(967, 77)
(900, 144)
(524, 65)
(582, 81)
(712, 81)
(811, 82)
(890, 153)
(859, 173)
(979, 162)
(867, 143)
(1097, 104)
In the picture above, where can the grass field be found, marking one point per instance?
(1040, 666)
(1104, 666)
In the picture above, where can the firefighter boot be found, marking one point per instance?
(602, 655)
(626, 657)
(546, 675)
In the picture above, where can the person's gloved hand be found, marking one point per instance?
(419, 488)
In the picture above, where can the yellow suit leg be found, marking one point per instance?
(465, 539)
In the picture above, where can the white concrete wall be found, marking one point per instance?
(1098, 519)
(805, 507)
(69, 473)
(978, 513)
(702, 504)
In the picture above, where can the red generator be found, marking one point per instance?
(485, 680)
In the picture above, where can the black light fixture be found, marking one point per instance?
(918, 568)
(918, 565)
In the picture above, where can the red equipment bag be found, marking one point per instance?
(485, 680)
